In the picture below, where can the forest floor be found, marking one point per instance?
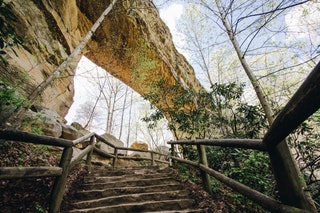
(33, 194)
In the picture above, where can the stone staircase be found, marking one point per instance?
(137, 189)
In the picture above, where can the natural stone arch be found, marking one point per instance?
(135, 46)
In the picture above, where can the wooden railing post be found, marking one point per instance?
(305, 102)
(172, 155)
(203, 160)
(115, 159)
(152, 158)
(60, 182)
(89, 155)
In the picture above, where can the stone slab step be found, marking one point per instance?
(124, 183)
(124, 170)
(104, 179)
(148, 206)
(93, 194)
(132, 198)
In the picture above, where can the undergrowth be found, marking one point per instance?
(224, 197)
(30, 195)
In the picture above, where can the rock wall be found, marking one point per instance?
(133, 44)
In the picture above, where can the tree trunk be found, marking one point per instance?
(285, 170)
(123, 111)
(129, 119)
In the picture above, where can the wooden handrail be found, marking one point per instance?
(265, 201)
(77, 158)
(17, 135)
(83, 138)
(132, 149)
(304, 103)
(27, 172)
(66, 161)
(256, 196)
(255, 144)
(104, 141)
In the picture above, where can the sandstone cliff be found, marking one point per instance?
(133, 44)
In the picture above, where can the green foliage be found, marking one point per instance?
(217, 113)
(8, 37)
(305, 142)
(9, 96)
(188, 173)
(255, 171)
(221, 113)
(39, 208)
(143, 66)
(33, 124)
(10, 100)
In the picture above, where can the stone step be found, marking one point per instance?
(127, 177)
(124, 183)
(133, 190)
(126, 171)
(93, 194)
(131, 198)
(148, 206)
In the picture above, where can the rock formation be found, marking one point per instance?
(133, 44)
(139, 145)
(113, 140)
(41, 120)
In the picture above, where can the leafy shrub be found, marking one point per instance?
(9, 100)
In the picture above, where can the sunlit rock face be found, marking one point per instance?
(133, 44)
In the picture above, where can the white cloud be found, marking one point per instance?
(171, 15)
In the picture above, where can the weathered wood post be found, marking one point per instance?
(89, 155)
(305, 102)
(152, 158)
(115, 159)
(60, 182)
(172, 155)
(203, 160)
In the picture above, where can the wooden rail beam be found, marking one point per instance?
(104, 141)
(256, 196)
(27, 172)
(16, 135)
(83, 138)
(81, 155)
(255, 144)
(304, 103)
(103, 153)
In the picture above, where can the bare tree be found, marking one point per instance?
(123, 111)
(231, 14)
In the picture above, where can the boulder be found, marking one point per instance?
(113, 140)
(42, 122)
(139, 145)
(79, 127)
(69, 132)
